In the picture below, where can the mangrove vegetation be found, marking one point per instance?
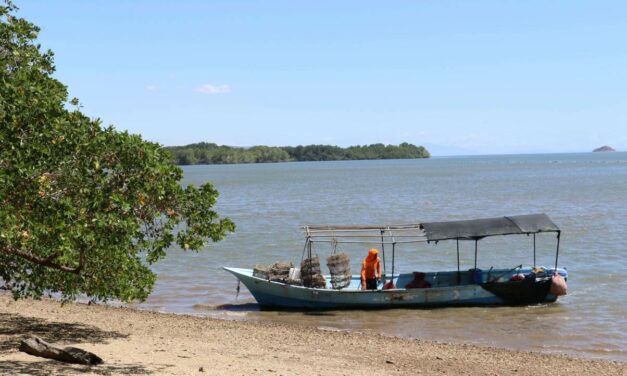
(210, 153)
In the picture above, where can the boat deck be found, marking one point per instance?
(450, 278)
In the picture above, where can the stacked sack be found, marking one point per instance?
(277, 272)
(340, 270)
(310, 273)
(280, 272)
(261, 271)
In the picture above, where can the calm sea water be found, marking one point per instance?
(585, 194)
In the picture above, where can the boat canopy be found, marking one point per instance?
(476, 229)
(385, 234)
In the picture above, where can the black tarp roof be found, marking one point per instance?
(476, 229)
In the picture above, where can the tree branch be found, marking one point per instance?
(51, 257)
(43, 261)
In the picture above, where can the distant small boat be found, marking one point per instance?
(517, 285)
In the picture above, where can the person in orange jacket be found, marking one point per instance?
(371, 270)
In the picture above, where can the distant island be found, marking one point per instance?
(603, 148)
(210, 153)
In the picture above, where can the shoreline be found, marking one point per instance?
(222, 312)
(133, 341)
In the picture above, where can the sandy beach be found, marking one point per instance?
(144, 342)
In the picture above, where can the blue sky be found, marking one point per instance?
(461, 77)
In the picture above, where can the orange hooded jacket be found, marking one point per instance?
(371, 266)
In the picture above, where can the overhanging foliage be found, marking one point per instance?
(83, 209)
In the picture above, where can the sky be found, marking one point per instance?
(460, 77)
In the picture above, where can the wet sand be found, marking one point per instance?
(144, 342)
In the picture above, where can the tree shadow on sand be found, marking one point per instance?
(51, 367)
(14, 327)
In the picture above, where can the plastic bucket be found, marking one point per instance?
(294, 274)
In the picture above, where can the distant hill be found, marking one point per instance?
(603, 148)
(210, 153)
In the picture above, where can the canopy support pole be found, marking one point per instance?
(393, 253)
(459, 275)
(534, 250)
(302, 257)
(309, 250)
(307, 245)
(383, 256)
(557, 250)
(476, 241)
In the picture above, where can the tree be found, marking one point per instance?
(83, 209)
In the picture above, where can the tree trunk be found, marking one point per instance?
(36, 346)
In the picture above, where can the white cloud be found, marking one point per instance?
(152, 87)
(213, 89)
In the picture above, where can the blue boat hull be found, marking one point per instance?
(281, 295)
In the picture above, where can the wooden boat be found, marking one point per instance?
(519, 285)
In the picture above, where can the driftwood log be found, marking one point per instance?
(36, 346)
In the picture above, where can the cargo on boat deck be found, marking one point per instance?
(340, 270)
(277, 272)
(261, 271)
(310, 273)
